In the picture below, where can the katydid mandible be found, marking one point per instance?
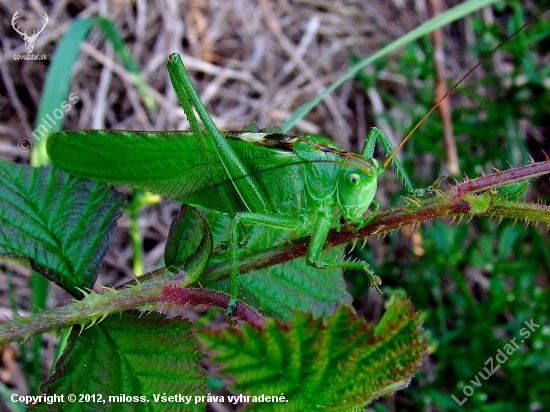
(286, 182)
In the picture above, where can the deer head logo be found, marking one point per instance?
(29, 40)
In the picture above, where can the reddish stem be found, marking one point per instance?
(500, 177)
(172, 293)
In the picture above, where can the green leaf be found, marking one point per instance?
(281, 289)
(133, 355)
(512, 191)
(60, 224)
(506, 241)
(342, 364)
(478, 203)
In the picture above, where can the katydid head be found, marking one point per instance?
(357, 185)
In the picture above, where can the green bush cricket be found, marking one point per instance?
(295, 183)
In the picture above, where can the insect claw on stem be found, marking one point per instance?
(375, 282)
(231, 311)
(437, 183)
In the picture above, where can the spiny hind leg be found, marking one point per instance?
(368, 152)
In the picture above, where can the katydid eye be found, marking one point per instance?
(353, 180)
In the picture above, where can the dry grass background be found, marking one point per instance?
(252, 60)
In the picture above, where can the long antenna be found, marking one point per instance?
(452, 89)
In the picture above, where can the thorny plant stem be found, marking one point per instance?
(450, 203)
(500, 178)
(95, 307)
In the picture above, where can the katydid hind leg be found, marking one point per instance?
(181, 83)
(187, 96)
(215, 147)
(246, 186)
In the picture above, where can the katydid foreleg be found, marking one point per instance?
(316, 245)
(319, 228)
(368, 152)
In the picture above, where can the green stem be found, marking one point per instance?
(133, 211)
